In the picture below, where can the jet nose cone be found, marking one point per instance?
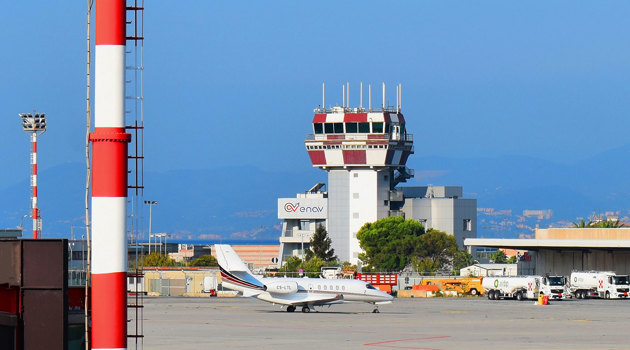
(390, 297)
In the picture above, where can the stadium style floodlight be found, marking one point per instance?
(35, 124)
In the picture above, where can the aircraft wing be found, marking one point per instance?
(318, 299)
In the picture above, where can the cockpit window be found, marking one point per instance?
(369, 286)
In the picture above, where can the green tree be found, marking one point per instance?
(439, 247)
(512, 260)
(157, 259)
(462, 258)
(313, 266)
(426, 265)
(321, 246)
(608, 224)
(582, 224)
(499, 257)
(204, 260)
(390, 243)
(292, 264)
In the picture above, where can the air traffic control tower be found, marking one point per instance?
(364, 151)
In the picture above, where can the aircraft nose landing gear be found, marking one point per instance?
(375, 311)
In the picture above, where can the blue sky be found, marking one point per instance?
(235, 83)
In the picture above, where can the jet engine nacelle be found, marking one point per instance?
(282, 287)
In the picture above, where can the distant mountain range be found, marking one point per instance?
(235, 203)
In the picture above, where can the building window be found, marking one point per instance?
(304, 225)
(467, 225)
(318, 128)
(364, 128)
(351, 128)
(355, 195)
(338, 128)
(386, 202)
(377, 128)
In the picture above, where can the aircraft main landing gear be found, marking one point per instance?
(290, 308)
(306, 309)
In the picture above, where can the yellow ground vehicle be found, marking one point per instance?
(463, 285)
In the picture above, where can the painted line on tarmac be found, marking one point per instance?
(389, 343)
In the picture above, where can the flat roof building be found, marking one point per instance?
(562, 250)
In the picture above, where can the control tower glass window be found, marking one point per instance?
(364, 128)
(338, 128)
(318, 128)
(377, 128)
(351, 128)
(328, 128)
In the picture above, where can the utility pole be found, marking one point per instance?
(151, 204)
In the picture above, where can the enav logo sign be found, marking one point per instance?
(302, 208)
(295, 207)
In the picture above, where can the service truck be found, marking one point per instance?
(598, 284)
(555, 287)
(517, 287)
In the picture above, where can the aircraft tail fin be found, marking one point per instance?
(234, 270)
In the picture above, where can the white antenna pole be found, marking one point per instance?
(361, 103)
(383, 95)
(370, 97)
(324, 96)
(348, 93)
(400, 98)
(343, 94)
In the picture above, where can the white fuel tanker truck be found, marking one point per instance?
(598, 284)
(555, 287)
(518, 287)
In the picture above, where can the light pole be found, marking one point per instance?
(36, 125)
(302, 236)
(151, 204)
(160, 235)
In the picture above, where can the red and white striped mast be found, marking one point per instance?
(109, 180)
(35, 124)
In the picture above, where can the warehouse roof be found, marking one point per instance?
(534, 244)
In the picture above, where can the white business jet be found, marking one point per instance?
(294, 292)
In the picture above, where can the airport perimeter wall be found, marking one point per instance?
(178, 282)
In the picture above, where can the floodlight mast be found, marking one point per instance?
(36, 125)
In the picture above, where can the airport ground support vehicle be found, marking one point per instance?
(555, 287)
(461, 285)
(598, 284)
(516, 287)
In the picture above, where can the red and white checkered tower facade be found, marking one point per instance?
(364, 151)
(109, 180)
